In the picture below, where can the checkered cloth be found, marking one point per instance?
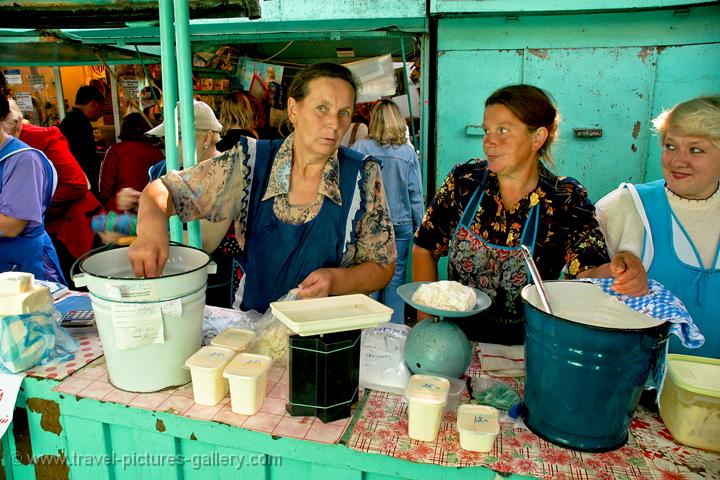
(662, 304)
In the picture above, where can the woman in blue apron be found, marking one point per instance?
(672, 225)
(485, 210)
(27, 183)
(307, 214)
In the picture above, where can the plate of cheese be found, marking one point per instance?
(444, 298)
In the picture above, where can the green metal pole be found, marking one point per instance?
(187, 116)
(169, 76)
(60, 94)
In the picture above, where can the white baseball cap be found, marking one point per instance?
(205, 119)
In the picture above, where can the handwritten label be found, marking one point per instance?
(137, 324)
(9, 388)
(133, 292)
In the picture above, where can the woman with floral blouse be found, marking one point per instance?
(486, 209)
(308, 213)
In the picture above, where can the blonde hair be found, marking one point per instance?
(12, 124)
(387, 125)
(236, 111)
(699, 117)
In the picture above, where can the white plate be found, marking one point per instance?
(315, 316)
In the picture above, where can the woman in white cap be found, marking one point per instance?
(308, 213)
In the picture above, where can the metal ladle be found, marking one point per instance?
(535, 274)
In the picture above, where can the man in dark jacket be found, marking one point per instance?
(78, 130)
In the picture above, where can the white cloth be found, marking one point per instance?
(501, 360)
(623, 228)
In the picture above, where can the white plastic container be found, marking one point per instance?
(315, 316)
(455, 394)
(426, 396)
(248, 376)
(236, 339)
(690, 401)
(478, 426)
(206, 369)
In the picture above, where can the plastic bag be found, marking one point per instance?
(382, 358)
(488, 391)
(33, 339)
(272, 335)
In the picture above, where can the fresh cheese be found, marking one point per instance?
(33, 300)
(13, 283)
(445, 295)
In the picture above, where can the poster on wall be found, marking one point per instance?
(266, 72)
(13, 77)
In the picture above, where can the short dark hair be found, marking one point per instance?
(133, 127)
(87, 94)
(299, 86)
(532, 106)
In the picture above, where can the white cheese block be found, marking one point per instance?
(445, 295)
(12, 283)
(38, 298)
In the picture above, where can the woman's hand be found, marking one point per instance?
(317, 284)
(127, 199)
(148, 254)
(630, 277)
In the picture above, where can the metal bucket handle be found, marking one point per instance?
(79, 278)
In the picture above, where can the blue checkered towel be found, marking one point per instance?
(662, 304)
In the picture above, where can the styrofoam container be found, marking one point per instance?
(314, 316)
(426, 396)
(206, 369)
(690, 401)
(248, 376)
(478, 426)
(236, 339)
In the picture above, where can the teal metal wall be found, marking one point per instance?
(608, 70)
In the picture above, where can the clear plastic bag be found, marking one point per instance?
(33, 339)
(272, 335)
(488, 391)
(382, 358)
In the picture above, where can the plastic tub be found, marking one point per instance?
(690, 401)
(426, 396)
(478, 426)
(236, 339)
(206, 369)
(248, 375)
(455, 393)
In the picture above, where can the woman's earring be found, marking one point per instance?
(206, 146)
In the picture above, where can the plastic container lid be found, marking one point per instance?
(478, 419)
(315, 316)
(233, 338)
(695, 374)
(428, 389)
(210, 358)
(249, 365)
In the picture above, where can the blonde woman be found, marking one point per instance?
(672, 225)
(236, 115)
(403, 187)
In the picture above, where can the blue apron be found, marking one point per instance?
(498, 270)
(697, 287)
(278, 256)
(28, 251)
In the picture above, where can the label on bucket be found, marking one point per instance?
(172, 307)
(137, 324)
(134, 291)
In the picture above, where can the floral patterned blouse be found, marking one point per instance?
(218, 189)
(568, 233)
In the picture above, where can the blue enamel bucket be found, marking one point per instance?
(583, 381)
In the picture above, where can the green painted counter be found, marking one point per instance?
(70, 437)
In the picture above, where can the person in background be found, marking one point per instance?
(28, 182)
(151, 104)
(358, 131)
(126, 163)
(485, 210)
(403, 187)
(672, 226)
(78, 130)
(291, 201)
(67, 219)
(237, 118)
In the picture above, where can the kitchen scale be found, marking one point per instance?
(437, 346)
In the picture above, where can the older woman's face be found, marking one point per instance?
(510, 147)
(322, 117)
(691, 165)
